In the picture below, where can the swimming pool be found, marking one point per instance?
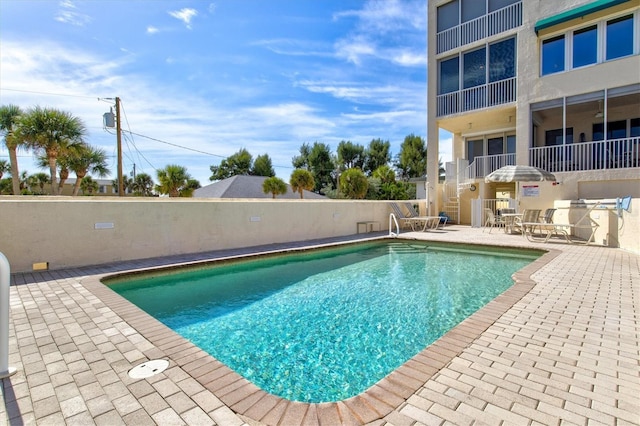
(325, 325)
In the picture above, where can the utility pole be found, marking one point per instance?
(119, 139)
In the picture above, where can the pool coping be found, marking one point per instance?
(258, 406)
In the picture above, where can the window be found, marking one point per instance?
(634, 128)
(585, 46)
(615, 130)
(603, 41)
(449, 76)
(554, 137)
(448, 16)
(475, 73)
(502, 60)
(474, 149)
(553, 55)
(499, 4)
(511, 144)
(619, 37)
(495, 146)
(472, 9)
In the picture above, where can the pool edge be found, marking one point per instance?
(246, 399)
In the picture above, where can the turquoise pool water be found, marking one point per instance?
(324, 326)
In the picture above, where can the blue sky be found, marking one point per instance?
(219, 76)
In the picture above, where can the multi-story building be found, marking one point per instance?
(546, 83)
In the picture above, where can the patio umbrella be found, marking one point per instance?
(519, 174)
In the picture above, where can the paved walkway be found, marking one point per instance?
(562, 346)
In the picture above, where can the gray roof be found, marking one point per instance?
(241, 186)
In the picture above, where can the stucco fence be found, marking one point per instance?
(62, 232)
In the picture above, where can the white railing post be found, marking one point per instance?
(393, 221)
(5, 275)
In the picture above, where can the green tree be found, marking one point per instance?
(350, 155)
(262, 166)
(377, 154)
(412, 161)
(5, 186)
(236, 164)
(322, 166)
(88, 186)
(85, 158)
(142, 185)
(50, 131)
(9, 121)
(37, 181)
(274, 186)
(4, 167)
(127, 185)
(301, 180)
(385, 174)
(192, 185)
(354, 184)
(175, 181)
(302, 161)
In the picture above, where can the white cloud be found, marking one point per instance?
(185, 15)
(68, 14)
(405, 19)
(152, 30)
(354, 49)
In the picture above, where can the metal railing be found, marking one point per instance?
(483, 96)
(599, 155)
(493, 23)
(483, 165)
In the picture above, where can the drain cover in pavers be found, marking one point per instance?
(148, 368)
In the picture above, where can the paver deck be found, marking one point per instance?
(562, 346)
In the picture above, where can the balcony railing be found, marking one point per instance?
(493, 23)
(486, 95)
(483, 165)
(600, 155)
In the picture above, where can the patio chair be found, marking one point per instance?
(547, 217)
(432, 221)
(528, 221)
(566, 229)
(491, 220)
(412, 220)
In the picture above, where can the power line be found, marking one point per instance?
(49, 93)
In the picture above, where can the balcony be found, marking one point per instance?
(599, 155)
(483, 165)
(485, 26)
(483, 96)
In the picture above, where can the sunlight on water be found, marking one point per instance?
(320, 327)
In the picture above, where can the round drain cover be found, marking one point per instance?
(148, 368)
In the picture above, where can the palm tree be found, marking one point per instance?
(86, 158)
(175, 181)
(354, 184)
(127, 185)
(51, 131)
(274, 186)
(88, 185)
(142, 185)
(9, 118)
(300, 180)
(4, 167)
(38, 180)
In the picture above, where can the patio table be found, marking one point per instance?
(510, 221)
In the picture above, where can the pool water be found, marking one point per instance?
(324, 326)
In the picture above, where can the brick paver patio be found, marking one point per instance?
(562, 346)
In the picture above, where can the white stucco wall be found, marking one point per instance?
(62, 231)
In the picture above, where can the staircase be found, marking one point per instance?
(451, 193)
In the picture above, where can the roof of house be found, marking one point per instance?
(241, 186)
